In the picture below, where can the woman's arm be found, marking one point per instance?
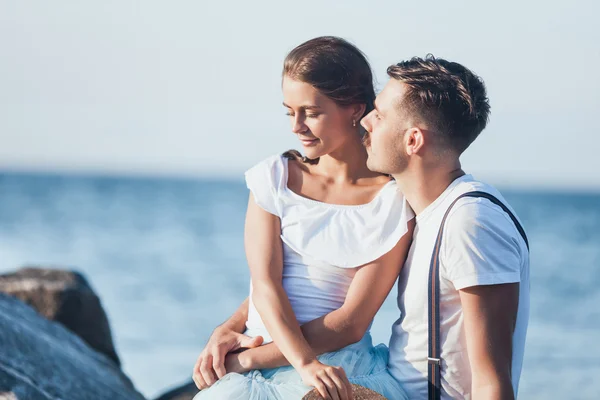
(264, 251)
(346, 325)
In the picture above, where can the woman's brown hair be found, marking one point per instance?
(337, 69)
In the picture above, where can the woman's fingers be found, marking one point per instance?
(344, 377)
(322, 389)
(330, 385)
(341, 383)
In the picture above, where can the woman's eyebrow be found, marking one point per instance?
(306, 107)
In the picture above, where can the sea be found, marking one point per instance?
(166, 258)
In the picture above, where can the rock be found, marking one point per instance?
(360, 393)
(64, 297)
(41, 359)
(184, 392)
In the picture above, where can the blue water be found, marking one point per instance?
(166, 257)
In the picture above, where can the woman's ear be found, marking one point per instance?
(357, 112)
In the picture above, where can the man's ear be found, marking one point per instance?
(414, 141)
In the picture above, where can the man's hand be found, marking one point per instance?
(210, 366)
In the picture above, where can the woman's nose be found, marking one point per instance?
(298, 125)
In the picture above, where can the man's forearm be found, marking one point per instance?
(328, 333)
(237, 322)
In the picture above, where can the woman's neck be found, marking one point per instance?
(346, 164)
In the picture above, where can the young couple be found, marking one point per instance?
(328, 234)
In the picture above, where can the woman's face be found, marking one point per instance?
(320, 124)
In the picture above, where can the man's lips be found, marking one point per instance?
(366, 141)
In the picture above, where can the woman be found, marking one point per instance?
(325, 239)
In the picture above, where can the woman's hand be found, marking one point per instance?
(331, 382)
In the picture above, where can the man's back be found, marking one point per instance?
(480, 246)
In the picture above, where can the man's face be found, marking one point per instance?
(385, 127)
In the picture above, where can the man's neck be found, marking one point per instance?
(423, 186)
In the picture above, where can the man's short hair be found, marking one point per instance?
(446, 96)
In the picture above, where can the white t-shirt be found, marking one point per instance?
(480, 246)
(323, 244)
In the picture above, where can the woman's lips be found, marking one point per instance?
(308, 142)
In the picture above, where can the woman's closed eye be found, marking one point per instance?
(311, 115)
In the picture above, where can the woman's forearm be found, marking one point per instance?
(334, 331)
(331, 332)
(276, 312)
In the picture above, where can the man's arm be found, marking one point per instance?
(226, 338)
(346, 325)
(237, 322)
(490, 315)
(482, 257)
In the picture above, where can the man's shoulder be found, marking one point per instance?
(470, 184)
(478, 212)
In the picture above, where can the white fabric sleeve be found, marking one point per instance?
(481, 246)
(264, 180)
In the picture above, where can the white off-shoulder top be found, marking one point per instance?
(323, 244)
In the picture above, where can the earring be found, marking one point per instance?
(354, 123)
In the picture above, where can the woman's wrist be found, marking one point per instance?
(246, 360)
(307, 363)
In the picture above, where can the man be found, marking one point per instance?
(430, 111)
(428, 114)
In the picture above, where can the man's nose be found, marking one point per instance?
(366, 122)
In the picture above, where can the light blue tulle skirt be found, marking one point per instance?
(364, 364)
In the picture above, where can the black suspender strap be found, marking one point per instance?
(434, 359)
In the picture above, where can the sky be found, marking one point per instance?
(192, 88)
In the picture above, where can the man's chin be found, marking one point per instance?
(371, 163)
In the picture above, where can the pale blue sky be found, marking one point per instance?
(193, 87)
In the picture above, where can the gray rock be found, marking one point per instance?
(41, 359)
(64, 297)
(183, 392)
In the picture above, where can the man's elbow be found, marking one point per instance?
(493, 392)
(498, 386)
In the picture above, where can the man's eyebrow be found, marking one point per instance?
(306, 107)
(375, 107)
